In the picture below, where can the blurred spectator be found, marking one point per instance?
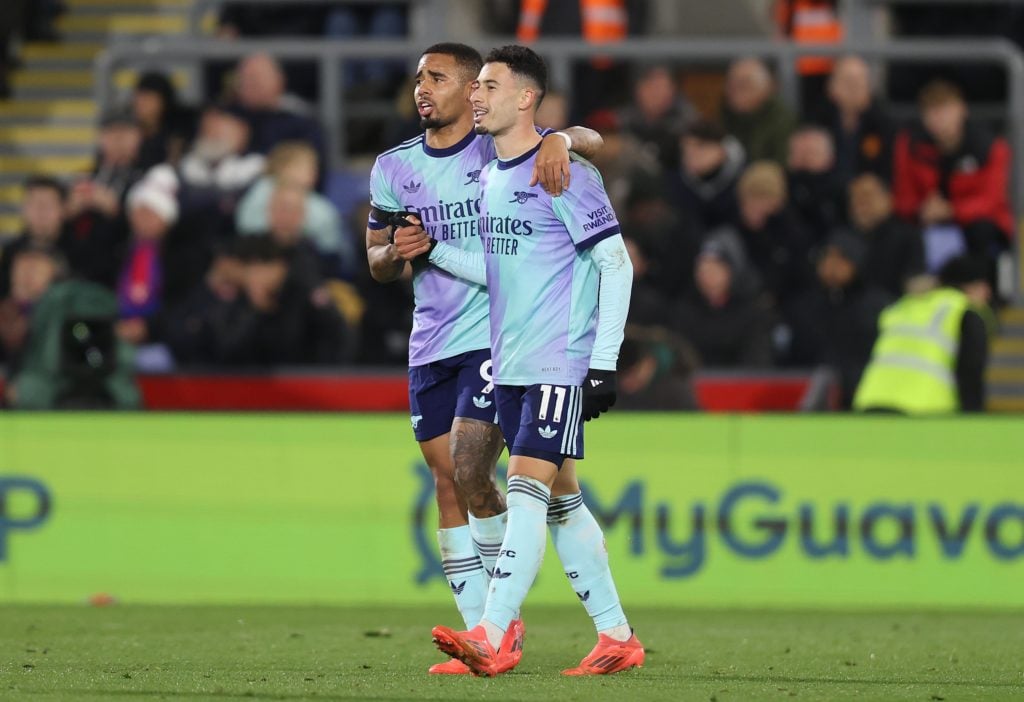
(294, 163)
(658, 115)
(60, 334)
(754, 113)
(655, 371)
(835, 323)
(152, 211)
(208, 184)
(42, 211)
(166, 125)
(553, 112)
(895, 252)
(286, 215)
(815, 189)
(630, 172)
(950, 170)
(34, 267)
(194, 326)
(932, 346)
(40, 17)
(280, 320)
(647, 306)
(725, 321)
(861, 128)
(274, 116)
(705, 187)
(810, 22)
(96, 222)
(774, 237)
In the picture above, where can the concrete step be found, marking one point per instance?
(83, 136)
(84, 25)
(50, 78)
(40, 52)
(10, 225)
(49, 109)
(59, 166)
(10, 196)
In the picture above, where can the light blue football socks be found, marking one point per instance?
(580, 544)
(521, 553)
(464, 572)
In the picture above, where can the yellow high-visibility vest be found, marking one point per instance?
(913, 364)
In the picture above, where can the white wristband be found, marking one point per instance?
(568, 140)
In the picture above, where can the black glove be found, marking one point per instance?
(397, 220)
(598, 393)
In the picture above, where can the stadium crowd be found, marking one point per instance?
(761, 235)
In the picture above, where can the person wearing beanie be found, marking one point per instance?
(152, 211)
(835, 323)
(932, 346)
(725, 321)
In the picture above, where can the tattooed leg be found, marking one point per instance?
(475, 447)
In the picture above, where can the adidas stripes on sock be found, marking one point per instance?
(464, 572)
(488, 533)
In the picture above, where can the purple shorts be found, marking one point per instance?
(542, 421)
(459, 386)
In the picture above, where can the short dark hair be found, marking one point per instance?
(523, 62)
(466, 57)
(939, 92)
(706, 130)
(44, 182)
(260, 249)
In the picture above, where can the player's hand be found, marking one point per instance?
(599, 393)
(551, 167)
(412, 241)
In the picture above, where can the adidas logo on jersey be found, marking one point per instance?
(457, 589)
(595, 383)
(412, 186)
(547, 432)
(499, 573)
(481, 402)
(584, 596)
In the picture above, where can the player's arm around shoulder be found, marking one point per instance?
(551, 167)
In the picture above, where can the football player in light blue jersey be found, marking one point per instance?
(558, 278)
(433, 180)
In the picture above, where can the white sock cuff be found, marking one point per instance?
(455, 539)
(488, 530)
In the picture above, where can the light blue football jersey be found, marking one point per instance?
(541, 281)
(442, 187)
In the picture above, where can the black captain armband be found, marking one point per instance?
(395, 220)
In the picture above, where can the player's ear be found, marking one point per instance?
(527, 98)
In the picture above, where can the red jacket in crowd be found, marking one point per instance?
(974, 179)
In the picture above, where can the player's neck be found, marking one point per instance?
(517, 140)
(450, 134)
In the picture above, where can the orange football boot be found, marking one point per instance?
(610, 656)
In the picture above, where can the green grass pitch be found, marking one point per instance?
(382, 653)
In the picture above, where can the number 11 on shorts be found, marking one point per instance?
(545, 402)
